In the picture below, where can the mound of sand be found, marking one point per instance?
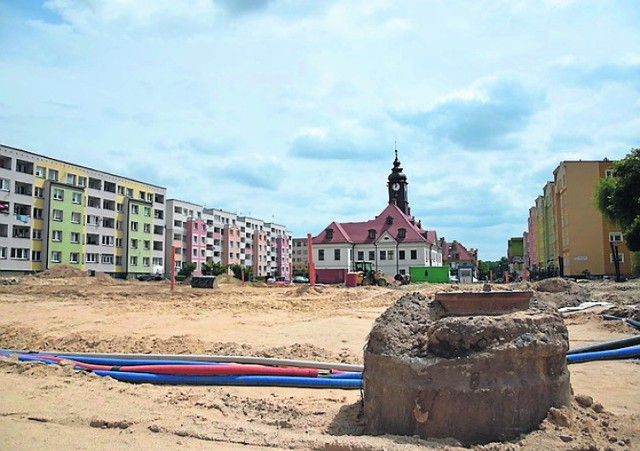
(61, 272)
(227, 279)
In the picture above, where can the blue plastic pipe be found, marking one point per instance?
(624, 353)
(280, 381)
(350, 375)
(608, 345)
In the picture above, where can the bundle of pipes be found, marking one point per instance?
(205, 370)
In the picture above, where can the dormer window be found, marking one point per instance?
(402, 233)
(372, 234)
(329, 234)
(389, 219)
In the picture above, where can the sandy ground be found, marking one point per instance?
(55, 407)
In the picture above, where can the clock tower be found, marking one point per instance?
(398, 187)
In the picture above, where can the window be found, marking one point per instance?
(615, 237)
(383, 255)
(372, 234)
(75, 237)
(372, 255)
(76, 198)
(92, 220)
(329, 234)
(56, 256)
(40, 172)
(360, 255)
(19, 253)
(53, 175)
(24, 167)
(321, 254)
(56, 235)
(195, 252)
(620, 258)
(37, 234)
(4, 185)
(414, 254)
(107, 240)
(400, 255)
(74, 257)
(36, 256)
(118, 225)
(133, 261)
(134, 243)
(147, 245)
(76, 217)
(37, 213)
(134, 226)
(82, 181)
(119, 260)
(157, 261)
(57, 215)
(93, 202)
(336, 254)
(135, 209)
(608, 173)
(147, 211)
(71, 179)
(402, 233)
(390, 255)
(91, 258)
(3, 253)
(119, 207)
(95, 183)
(107, 258)
(93, 239)
(38, 192)
(118, 242)
(129, 192)
(121, 190)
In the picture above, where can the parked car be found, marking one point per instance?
(300, 279)
(280, 280)
(150, 277)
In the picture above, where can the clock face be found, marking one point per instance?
(395, 186)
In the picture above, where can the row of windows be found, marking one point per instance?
(383, 255)
(74, 257)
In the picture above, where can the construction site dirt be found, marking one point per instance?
(56, 407)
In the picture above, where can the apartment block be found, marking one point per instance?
(299, 254)
(202, 234)
(568, 234)
(54, 212)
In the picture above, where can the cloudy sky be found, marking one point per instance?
(289, 110)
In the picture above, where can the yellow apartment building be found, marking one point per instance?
(582, 234)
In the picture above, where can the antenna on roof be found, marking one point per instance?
(395, 144)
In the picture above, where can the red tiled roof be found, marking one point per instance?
(450, 249)
(358, 232)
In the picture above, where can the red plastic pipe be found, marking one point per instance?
(197, 370)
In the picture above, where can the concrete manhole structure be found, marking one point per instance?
(478, 367)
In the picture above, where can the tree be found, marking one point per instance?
(618, 198)
(187, 269)
(213, 269)
(238, 269)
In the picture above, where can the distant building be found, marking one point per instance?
(515, 255)
(457, 256)
(201, 235)
(299, 254)
(393, 241)
(568, 236)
